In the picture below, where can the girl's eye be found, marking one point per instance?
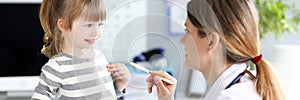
(100, 24)
(88, 25)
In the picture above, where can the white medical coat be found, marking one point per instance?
(244, 90)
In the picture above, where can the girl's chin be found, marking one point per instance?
(87, 47)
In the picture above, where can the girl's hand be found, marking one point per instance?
(165, 91)
(121, 74)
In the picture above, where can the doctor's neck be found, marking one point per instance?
(212, 73)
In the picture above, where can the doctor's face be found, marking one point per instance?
(196, 47)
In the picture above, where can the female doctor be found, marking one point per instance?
(221, 38)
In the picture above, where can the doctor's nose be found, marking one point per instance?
(182, 40)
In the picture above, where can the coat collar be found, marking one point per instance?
(223, 80)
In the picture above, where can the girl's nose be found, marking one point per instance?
(96, 31)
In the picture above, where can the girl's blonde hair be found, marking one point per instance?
(237, 22)
(69, 10)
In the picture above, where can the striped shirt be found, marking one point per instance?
(66, 77)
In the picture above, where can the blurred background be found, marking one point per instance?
(133, 29)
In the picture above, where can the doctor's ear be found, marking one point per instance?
(214, 41)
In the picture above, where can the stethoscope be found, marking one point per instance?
(237, 79)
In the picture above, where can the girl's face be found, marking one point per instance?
(196, 48)
(84, 34)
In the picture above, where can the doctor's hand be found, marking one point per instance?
(121, 74)
(165, 91)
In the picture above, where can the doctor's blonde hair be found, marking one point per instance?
(69, 11)
(238, 21)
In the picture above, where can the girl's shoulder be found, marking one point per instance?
(57, 65)
(57, 61)
(61, 57)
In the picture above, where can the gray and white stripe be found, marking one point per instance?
(70, 78)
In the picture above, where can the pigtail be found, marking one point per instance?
(267, 83)
(53, 40)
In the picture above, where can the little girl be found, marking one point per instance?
(75, 70)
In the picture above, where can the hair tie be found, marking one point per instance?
(256, 59)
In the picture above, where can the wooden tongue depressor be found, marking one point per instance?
(147, 71)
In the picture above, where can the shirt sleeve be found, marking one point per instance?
(105, 62)
(118, 92)
(48, 85)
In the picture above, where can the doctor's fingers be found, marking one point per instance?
(163, 89)
(162, 74)
(150, 83)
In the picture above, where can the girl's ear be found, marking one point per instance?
(214, 41)
(61, 24)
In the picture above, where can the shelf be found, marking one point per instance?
(20, 1)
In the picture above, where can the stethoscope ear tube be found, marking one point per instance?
(237, 79)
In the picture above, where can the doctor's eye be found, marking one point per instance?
(186, 31)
